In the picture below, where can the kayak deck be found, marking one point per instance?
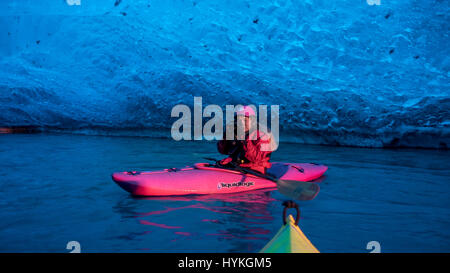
(289, 239)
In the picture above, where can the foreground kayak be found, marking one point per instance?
(289, 239)
(202, 178)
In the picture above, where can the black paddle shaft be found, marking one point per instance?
(297, 190)
(245, 170)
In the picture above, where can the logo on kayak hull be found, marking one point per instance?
(234, 184)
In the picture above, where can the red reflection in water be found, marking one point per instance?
(265, 217)
(258, 231)
(6, 131)
(239, 208)
(195, 206)
(144, 222)
(183, 233)
(18, 130)
(211, 220)
(254, 197)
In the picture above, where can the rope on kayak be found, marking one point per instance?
(290, 205)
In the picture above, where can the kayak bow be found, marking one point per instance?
(290, 238)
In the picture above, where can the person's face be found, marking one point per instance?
(244, 121)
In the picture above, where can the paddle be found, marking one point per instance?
(298, 190)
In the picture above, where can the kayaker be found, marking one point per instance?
(250, 148)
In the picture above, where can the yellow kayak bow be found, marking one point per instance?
(289, 239)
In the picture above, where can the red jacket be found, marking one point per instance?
(247, 153)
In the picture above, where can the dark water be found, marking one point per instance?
(57, 188)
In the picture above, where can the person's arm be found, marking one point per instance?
(253, 151)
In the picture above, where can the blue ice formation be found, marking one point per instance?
(343, 72)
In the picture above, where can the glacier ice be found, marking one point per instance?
(343, 72)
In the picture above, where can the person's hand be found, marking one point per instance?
(224, 161)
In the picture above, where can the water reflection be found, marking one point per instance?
(236, 219)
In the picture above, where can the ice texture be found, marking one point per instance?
(343, 72)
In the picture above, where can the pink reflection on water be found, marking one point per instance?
(260, 196)
(144, 222)
(195, 206)
(246, 208)
(258, 231)
(183, 233)
(211, 220)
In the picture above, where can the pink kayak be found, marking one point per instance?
(205, 179)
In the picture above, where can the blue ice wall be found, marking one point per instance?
(343, 72)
